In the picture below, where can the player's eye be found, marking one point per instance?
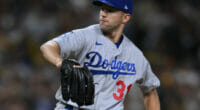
(111, 10)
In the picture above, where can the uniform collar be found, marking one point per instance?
(119, 42)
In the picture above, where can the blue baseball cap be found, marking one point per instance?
(123, 5)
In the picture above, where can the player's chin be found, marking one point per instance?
(103, 27)
(105, 30)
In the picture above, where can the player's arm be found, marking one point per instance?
(51, 52)
(151, 100)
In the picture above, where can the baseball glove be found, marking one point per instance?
(76, 83)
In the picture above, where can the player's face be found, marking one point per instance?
(111, 18)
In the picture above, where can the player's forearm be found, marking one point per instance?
(51, 52)
(151, 101)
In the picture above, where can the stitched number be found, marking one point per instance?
(121, 90)
(128, 88)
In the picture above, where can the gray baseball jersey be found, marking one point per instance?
(115, 67)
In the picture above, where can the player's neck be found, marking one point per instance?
(115, 35)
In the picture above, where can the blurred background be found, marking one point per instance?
(167, 31)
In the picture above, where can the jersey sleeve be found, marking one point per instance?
(71, 43)
(148, 80)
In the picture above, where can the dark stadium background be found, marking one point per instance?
(167, 31)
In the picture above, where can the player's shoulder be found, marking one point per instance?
(88, 33)
(91, 29)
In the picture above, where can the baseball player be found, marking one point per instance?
(115, 62)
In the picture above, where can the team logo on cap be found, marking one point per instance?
(126, 7)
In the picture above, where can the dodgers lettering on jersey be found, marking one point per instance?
(115, 65)
(115, 69)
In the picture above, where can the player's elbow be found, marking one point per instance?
(42, 48)
(50, 47)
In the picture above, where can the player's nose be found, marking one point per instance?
(103, 13)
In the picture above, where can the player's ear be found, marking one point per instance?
(125, 18)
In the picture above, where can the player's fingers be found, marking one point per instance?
(76, 66)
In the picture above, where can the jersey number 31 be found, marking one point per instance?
(121, 90)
